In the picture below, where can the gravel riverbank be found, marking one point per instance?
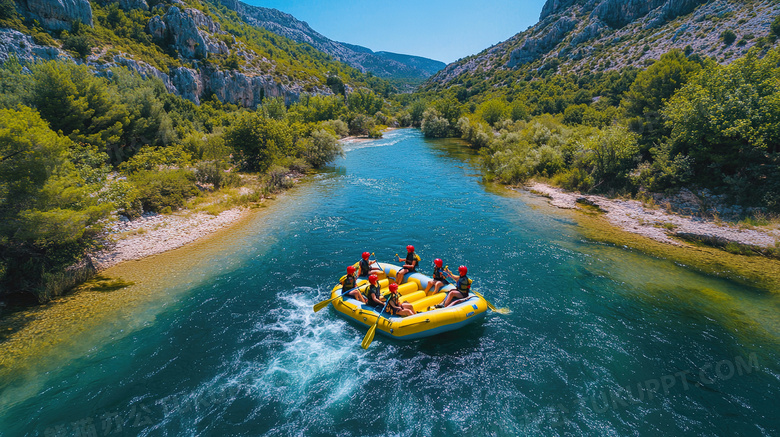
(153, 234)
(659, 224)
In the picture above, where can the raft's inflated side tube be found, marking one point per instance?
(420, 325)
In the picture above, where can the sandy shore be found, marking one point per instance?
(153, 234)
(656, 223)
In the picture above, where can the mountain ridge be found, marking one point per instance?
(364, 59)
(602, 35)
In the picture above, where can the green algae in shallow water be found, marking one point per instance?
(104, 283)
(754, 271)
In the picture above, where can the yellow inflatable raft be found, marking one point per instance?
(428, 321)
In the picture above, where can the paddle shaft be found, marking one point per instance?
(372, 331)
(325, 303)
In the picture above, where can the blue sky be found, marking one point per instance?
(437, 29)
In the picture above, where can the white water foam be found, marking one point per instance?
(390, 139)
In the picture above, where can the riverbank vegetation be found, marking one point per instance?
(685, 121)
(78, 149)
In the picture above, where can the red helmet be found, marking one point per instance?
(438, 262)
(462, 270)
(410, 248)
(366, 255)
(393, 288)
(350, 270)
(372, 279)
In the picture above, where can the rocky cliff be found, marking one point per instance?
(597, 35)
(381, 64)
(56, 14)
(189, 33)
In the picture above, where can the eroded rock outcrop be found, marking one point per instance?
(545, 40)
(133, 4)
(592, 19)
(56, 14)
(23, 48)
(188, 38)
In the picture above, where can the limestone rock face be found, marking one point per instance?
(672, 10)
(133, 4)
(16, 44)
(56, 14)
(592, 19)
(188, 39)
(187, 83)
(185, 28)
(542, 42)
(618, 13)
(157, 27)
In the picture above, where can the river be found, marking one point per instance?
(601, 340)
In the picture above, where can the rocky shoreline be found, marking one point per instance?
(659, 224)
(152, 234)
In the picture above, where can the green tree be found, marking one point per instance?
(258, 141)
(49, 213)
(434, 125)
(416, 110)
(79, 104)
(493, 111)
(321, 148)
(775, 26)
(275, 108)
(650, 91)
(365, 102)
(7, 9)
(613, 153)
(727, 120)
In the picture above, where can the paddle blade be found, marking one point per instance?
(323, 304)
(369, 337)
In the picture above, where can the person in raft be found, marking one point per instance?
(374, 292)
(438, 277)
(462, 287)
(410, 264)
(350, 283)
(395, 307)
(365, 266)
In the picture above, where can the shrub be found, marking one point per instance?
(164, 189)
(728, 36)
(775, 26)
(277, 179)
(434, 125)
(361, 124)
(7, 9)
(258, 141)
(79, 44)
(320, 148)
(337, 126)
(155, 158)
(215, 173)
(124, 196)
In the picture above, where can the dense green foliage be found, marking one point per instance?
(684, 121)
(50, 203)
(76, 147)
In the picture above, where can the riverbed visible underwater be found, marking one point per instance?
(219, 338)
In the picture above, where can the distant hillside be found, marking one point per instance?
(382, 64)
(602, 35)
(197, 51)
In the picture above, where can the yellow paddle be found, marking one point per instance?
(490, 305)
(372, 331)
(325, 303)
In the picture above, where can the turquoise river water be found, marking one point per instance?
(601, 340)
